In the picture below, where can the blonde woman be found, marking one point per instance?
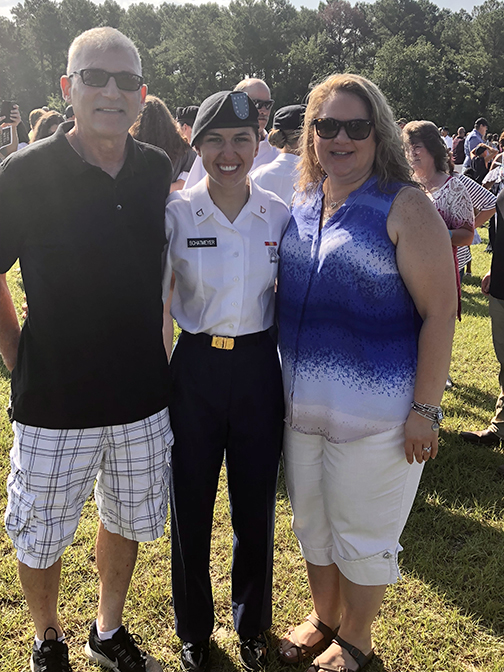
(366, 304)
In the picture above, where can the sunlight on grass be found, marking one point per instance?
(447, 615)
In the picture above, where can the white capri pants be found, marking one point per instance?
(351, 501)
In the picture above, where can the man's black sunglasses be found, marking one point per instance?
(267, 104)
(356, 129)
(126, 81)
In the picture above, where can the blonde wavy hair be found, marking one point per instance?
(390, 164)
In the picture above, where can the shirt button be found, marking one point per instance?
(231, 326)
(236, 254)
(236, 278)
(119, 207)
(234, 304)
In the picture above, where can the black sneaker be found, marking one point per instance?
(51, 657)
(253, 652)
(195, 657)
(121, 653)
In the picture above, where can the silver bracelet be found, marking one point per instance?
(432, 413)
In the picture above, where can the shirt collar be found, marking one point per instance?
(135, 161)
(202, 206)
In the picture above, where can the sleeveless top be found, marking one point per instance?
(348, 327)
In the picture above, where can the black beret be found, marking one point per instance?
(225, 109)
(289, 118)
(187, 115)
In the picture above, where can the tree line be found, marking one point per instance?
(431, 63)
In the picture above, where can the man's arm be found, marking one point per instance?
(10, 330)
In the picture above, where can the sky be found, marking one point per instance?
(453, 5)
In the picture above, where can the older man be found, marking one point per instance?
(261, 97)
(89, 368)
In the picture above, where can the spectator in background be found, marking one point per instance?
(47, 125)
(401, 122)
(498, 159)
(185, 119)
(156, 126)
(445, 134)
(474, 138)
(13, 122)
(33, 118)
(458, 153)
(429, 159)
(481, 158)
(280, 175)
(492, 286)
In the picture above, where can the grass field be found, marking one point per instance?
(447, 615)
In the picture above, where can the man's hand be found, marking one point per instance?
(485, 284)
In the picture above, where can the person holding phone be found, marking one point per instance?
(10, 118)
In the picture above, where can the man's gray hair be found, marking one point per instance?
(248, 82)
(101, 39)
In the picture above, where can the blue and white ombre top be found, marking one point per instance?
(348, 326)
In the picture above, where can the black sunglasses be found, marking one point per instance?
(356, 129)
(267, 104)
(126, 81)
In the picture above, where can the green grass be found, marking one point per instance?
(447, 615)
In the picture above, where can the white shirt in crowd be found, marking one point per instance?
(279, 176)
(448, 141)
(224, 272)
(265, 154)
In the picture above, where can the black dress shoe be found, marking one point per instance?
(195, 657)
(484, 437)
(253, 652)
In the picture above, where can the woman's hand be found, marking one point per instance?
(419, 436)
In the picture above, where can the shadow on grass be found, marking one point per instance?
(473, 303)
(470, 395)
(453, 539)
(4, 371)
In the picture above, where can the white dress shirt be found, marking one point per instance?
(279, 176)
(265, 154)
(224, 272)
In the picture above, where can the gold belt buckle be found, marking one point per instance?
(222, 342)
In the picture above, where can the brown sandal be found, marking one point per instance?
(360, 658)
(302, 650)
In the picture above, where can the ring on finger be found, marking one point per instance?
(427, 449)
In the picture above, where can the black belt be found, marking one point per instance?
(227, 342)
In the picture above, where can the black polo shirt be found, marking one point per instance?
(90, 248)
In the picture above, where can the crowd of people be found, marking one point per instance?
(315, 273)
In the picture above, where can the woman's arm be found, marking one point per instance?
(425, 262)
(461, 237)
(481, 218)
